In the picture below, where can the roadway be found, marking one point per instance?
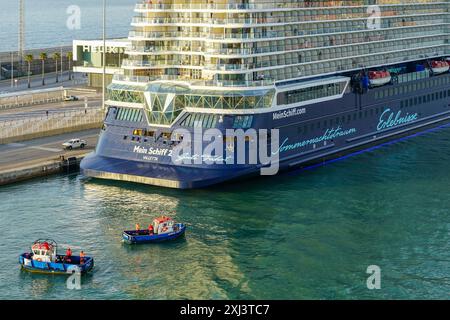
(36, 82)
(94, 100)
(37, 151)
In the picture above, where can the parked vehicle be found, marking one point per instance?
(71, 98)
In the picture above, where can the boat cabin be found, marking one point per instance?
(163, 225)
(44, 251)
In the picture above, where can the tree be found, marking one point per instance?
(29, 59)
(56, 56)
(69, 56)
(43, 57)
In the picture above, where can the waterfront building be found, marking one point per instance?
(88, 59)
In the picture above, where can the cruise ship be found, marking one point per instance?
(332, 77)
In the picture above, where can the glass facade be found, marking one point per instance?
(310, 93)
(129, 114)
(125, 93)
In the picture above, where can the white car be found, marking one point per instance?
(70, 98)
(74, 143)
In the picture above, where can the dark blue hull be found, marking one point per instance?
(56, 268)
(322, 131)
(132, 237)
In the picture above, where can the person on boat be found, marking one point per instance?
(150, 229)
(138, 227)
(82, 256)
(68, 256)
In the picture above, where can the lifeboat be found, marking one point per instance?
(379, 78)
(439, 66)
(162, 229)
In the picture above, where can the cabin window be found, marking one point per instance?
(310, 93)
(127, 114)
(242, 122)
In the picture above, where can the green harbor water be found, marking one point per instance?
(302, 235)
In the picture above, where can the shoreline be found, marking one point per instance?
(46, 168)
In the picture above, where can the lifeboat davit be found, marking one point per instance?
(379, 78)
(439, 66)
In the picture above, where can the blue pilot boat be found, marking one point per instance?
(43, 258)
(162, 229)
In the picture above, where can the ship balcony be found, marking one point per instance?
(148, 50)
(184, 6)
(275, 34)
(160, 64)
(144, 80)
(131, 79)
(197, 21)
(284, 19)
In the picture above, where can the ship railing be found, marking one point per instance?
(278, 20)
(266, 34)
(233, 83)
(149, 5)
(199, 82)
(125, 78)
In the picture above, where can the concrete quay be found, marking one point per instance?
(42, 157)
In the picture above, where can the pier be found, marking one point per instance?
(41, 157)
(36, 120)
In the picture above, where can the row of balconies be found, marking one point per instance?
(343, 64)
(268, 21)
(197, 82)
(290, 58)
(284, 45)
(268, 77)
(150, 6)
(270, 34)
